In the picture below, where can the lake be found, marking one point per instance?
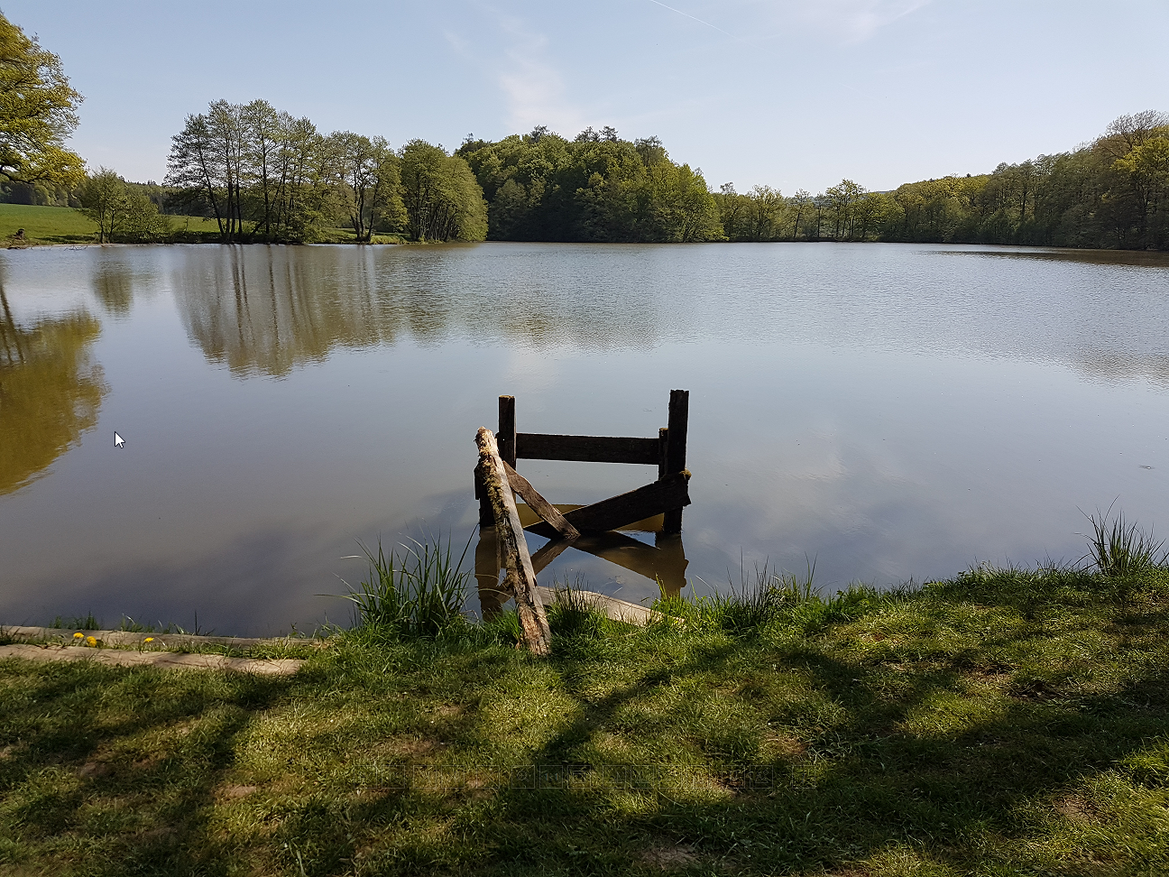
(888, 412)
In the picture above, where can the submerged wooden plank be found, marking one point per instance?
(618, 511)
(513, 546)
(587, 448)
(618, 610)
(528, 517)
(538, 504)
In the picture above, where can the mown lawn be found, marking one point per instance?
(64, 225)
(1003, 722)
(45, 225)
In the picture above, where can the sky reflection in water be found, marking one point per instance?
(886, 411)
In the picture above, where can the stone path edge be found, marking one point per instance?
(129, 649)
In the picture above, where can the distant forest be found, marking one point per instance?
(1112, 193)
(266, 176)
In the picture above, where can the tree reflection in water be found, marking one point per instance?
(50, 391)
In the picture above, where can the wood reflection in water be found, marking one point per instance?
(664, 562)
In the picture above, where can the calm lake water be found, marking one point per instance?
(890, 412)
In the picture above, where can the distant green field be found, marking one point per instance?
(64, 225)
(45, 225)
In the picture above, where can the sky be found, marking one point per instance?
(787, 93)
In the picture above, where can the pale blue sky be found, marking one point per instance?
(791, 93)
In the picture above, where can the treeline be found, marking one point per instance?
(263, 175)
(597, 187)
(1112, 193)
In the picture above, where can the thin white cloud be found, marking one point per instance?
(857, 20)
(847, 21)
(691, 17)
(535, 90)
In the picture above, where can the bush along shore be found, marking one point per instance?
(1005, 721)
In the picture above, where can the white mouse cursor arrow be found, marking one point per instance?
(119, 442)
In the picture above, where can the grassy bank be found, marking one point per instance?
(45, 225)
(1002, 722)
(64, 225)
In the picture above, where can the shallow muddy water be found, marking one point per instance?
(885, 411)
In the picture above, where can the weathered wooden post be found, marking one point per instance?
(505, 440)
(513, 546)
(675, 455)
(505, 437)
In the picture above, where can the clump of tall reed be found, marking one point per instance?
(419, 591)
(1119, 548)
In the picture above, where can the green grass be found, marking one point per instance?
(1119, 548)
(419, 591)
(64, 225)
(45, 225)
(1003, 722)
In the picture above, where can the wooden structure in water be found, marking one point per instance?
(668, 495)
(590, 527)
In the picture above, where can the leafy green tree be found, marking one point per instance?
(765, 211)
(596, 187)
(371, 182)
(122, 212)
(842, 199)
(303, 199)
(263, 130)
(682, 208)
(38, 110)
(101, 199)
(732, 208)
(443, 201)
(1146, 167)
(799, 203)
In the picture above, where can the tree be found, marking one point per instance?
(764, 212)
(101, 199)
(841, 199)
(443, 201)
(207, 156)
(370, 175)
(38, 110)
(263, 129)
(799, 201)
(122, 212)
(1147, 168)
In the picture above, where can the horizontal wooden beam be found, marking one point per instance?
(617, 511)
(587, 448)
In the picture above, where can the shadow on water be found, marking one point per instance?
(50, 391)
(1132, 258)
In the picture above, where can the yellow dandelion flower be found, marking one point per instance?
(91, 640)
(79, 635)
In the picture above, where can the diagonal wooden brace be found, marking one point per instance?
(539, 505)
(610, 514)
